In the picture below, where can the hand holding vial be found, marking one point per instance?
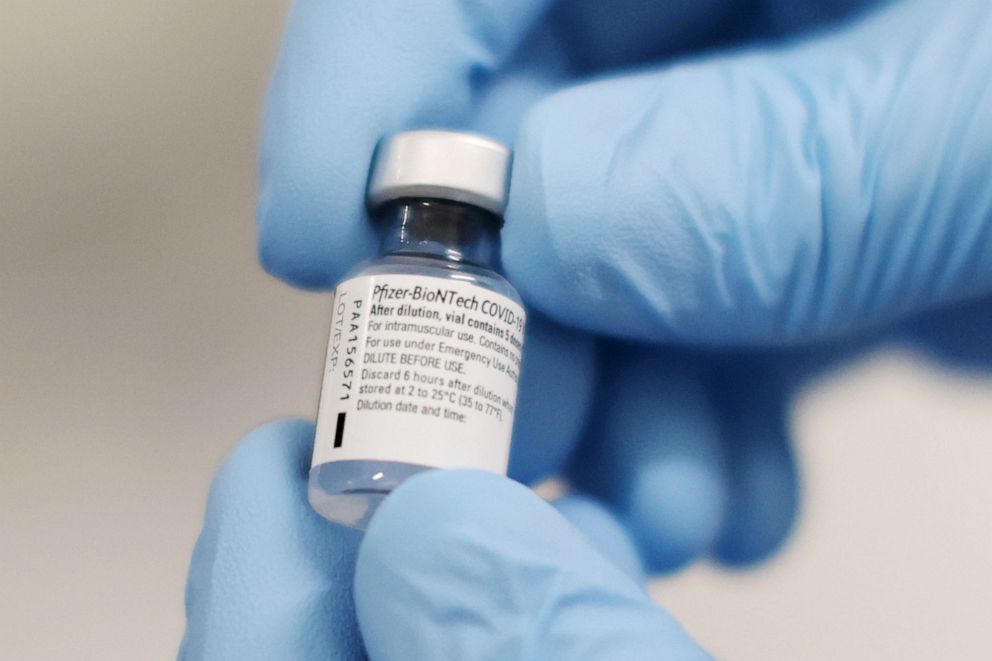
(692, 239)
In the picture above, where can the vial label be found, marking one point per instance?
(420, 370)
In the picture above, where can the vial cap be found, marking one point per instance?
(449, 165)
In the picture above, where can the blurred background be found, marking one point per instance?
(139, 340)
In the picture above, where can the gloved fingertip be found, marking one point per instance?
(745, 552)
(278, 450)
(752, 396)
(763, 501)
(303, 238)
(655, 456)
(296, 265)
(675, 511)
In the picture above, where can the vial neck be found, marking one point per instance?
(441, 229)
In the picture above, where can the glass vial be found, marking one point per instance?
(425, 341)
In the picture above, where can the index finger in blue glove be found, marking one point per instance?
(468, 565)
(766, 197)
(349, 72)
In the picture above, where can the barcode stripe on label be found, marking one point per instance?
(339, 430)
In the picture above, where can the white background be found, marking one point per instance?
(139, 340)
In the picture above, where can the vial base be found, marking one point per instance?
(349, 492)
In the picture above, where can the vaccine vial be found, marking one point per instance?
(425, 342)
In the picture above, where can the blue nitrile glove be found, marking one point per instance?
(737, 202)
(455, 565)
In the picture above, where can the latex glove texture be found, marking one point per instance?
(455, 565)
(812, 184)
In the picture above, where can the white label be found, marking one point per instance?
(420, 370)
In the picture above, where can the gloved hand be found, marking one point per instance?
(737, 202)
(455, 565)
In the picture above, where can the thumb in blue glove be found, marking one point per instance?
(468, 565)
